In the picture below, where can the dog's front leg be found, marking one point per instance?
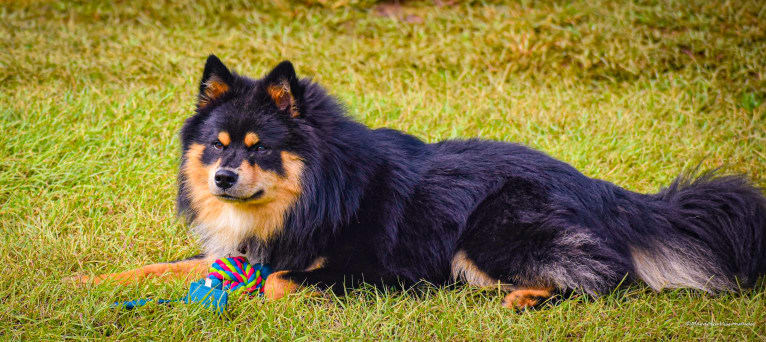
(187, 269)
(279, 284)
(282, 283)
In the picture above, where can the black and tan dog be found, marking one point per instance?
(273, 169)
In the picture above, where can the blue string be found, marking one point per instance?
(212, 295)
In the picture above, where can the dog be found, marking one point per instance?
(274, 170)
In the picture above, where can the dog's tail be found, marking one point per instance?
(709, 234)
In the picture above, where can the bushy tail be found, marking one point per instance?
(713, 235)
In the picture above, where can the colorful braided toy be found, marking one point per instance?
(227, 275)
(237, 275)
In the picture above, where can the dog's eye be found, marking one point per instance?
(218, 145)
(260, 148)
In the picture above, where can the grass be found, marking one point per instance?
(92, 95)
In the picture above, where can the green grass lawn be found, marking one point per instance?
(92, 96)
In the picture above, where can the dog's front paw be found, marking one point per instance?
(278, 286)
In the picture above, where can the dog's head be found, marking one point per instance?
(244, 150)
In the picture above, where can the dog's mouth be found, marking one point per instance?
(229, 198)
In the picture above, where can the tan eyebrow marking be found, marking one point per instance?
(224, 138)
(251, 139)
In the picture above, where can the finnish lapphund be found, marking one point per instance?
(273, 169)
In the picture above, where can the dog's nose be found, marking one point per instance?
(224, 179)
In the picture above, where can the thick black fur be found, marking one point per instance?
(386, 208)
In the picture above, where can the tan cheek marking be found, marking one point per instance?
(204, 203)
(214, 88)
(224, 138)
(283, 192)
(251, 139)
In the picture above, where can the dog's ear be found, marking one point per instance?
(216, 81)
(283, 88)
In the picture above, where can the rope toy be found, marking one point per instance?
(237, 275)
(227, 275)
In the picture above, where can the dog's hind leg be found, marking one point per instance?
(465, 270)
(538, 247)
(520, 297)
(187, 269)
